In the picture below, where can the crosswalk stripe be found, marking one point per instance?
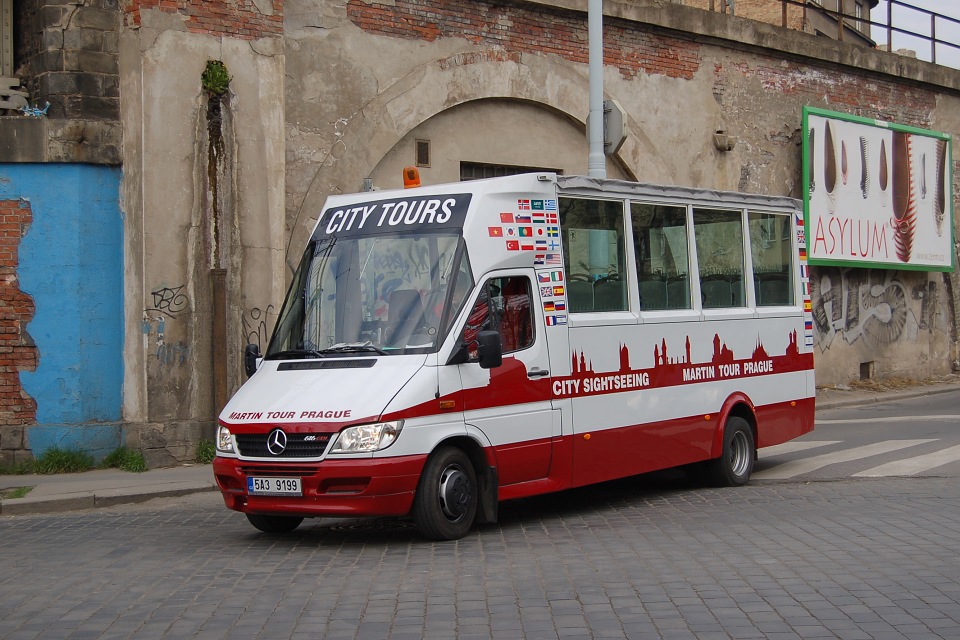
(794, 445)
(891, 419)
(799, 467)
(915, 465)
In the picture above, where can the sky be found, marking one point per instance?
(918, 22)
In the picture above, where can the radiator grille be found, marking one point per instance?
(298, 445)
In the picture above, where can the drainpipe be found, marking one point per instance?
(218, 281)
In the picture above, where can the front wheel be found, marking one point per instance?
(735, 464)
(446, 500)
(274, 524)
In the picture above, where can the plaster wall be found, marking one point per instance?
(545, 140)
(507, 83)
(173, 237)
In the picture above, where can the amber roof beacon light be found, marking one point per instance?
(411, 177)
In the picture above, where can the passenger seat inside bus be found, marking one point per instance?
(404, 317)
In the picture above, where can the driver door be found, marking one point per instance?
(511, 404)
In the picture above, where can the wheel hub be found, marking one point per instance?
(739, 454)
(454, 493)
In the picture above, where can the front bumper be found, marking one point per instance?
(366, 487)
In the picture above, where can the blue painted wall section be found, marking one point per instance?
(71, 263)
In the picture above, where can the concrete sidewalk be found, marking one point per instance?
(103, 488)
(108, 487)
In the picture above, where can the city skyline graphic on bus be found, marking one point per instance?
(674, 370)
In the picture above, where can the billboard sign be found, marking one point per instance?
(876, 194)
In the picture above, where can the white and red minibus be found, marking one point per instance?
(446, 347)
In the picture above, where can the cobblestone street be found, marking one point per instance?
(642, 558)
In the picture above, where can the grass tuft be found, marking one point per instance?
(14, 492)
(125, 460)
(75, 461)
(63, 461)
(205, 452)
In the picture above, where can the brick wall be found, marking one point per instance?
(634, 50)
(516, 29)
(237, 18)
(769, 11)
(17, 351)
(846, 92)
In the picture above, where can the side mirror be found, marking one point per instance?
(489, 349)
(251, 354)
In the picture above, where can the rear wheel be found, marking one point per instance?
(735, 464)
(446, 501)
(274, 524)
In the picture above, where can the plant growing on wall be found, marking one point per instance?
(215, 78)
(215, 81)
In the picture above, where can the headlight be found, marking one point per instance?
(367, 437)
(224, 440)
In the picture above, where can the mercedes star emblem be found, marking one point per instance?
(276, 442)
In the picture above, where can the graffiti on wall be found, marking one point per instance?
(872, 305)
(168, 302)
(255, 330)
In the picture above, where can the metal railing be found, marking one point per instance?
(856, 22)
(848, 20)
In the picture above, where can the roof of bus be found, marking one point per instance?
(582, 185)
(623, 188)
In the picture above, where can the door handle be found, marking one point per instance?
(538, 373)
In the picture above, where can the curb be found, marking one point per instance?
(94, 499)
(873, 398)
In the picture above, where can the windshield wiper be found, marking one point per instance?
(354, 347)
(292, 354)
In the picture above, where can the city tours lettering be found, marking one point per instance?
(398, 214)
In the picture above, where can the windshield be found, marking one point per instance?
(373, 295)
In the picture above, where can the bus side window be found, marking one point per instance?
(772, 258)
(504, 306)
(660, 246)
(593, 254)
(719, 242)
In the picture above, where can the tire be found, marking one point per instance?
(735, 464)
(446, 502)
(274, 524)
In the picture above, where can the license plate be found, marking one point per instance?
(274, 487)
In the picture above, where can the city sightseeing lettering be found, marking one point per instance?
(601, 384)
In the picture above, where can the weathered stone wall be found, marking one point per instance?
(203, 191)
(367, 79)
(67, 57)
(326, 94)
